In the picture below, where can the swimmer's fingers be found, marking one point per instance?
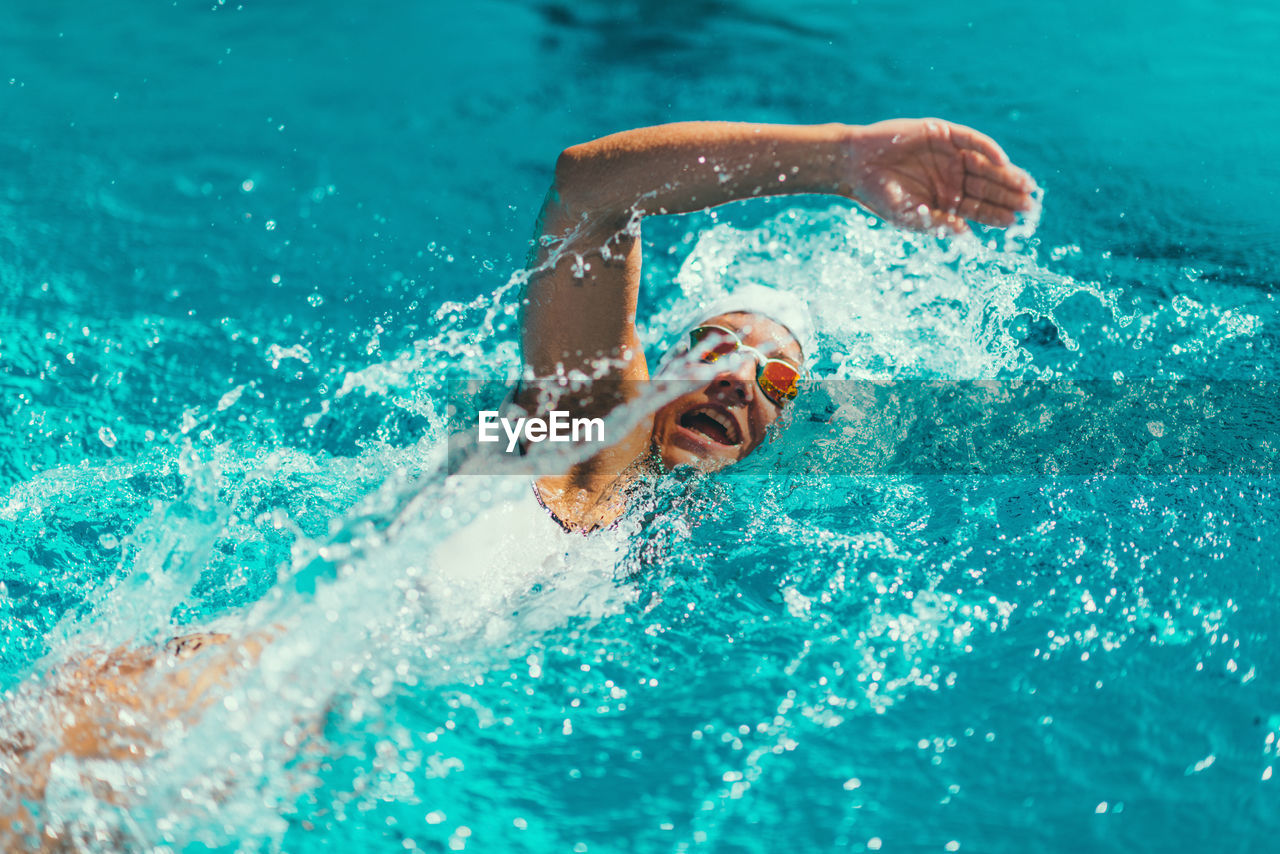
(1004, 184)
(902, 205)
(988, 187)
(987, 213)
(971, 140)
(949, 221)
(994, 195)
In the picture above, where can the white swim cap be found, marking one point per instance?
(779, 306)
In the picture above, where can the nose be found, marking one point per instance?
(736, 384)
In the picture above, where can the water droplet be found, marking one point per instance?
(229, 399)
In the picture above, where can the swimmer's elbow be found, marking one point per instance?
(577, 162)
(571, 160)
(572, 183)
(585, 184)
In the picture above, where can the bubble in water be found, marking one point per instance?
(107, 437)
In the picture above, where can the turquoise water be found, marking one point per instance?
(244, 248)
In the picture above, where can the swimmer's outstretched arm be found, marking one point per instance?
(916, 173)
(581, 300)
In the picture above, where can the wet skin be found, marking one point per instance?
(681, 433)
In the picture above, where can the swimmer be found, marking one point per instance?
(579, 315)
(580, 308)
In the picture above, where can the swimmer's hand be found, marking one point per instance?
(929, 173)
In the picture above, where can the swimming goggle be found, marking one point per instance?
(778, 378)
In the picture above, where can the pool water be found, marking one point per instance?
(247, 249)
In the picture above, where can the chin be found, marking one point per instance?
(674, 457)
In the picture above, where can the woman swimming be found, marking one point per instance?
(579, 318)
(581, 299)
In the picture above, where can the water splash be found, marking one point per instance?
(889, 304)
(432, 636)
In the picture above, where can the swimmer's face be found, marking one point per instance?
(724, 421)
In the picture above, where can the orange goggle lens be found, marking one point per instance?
(716, 342)
(777, 378)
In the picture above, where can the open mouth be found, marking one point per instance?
(713, 424)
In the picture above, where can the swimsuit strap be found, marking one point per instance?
(538, 497)
(184, 646)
